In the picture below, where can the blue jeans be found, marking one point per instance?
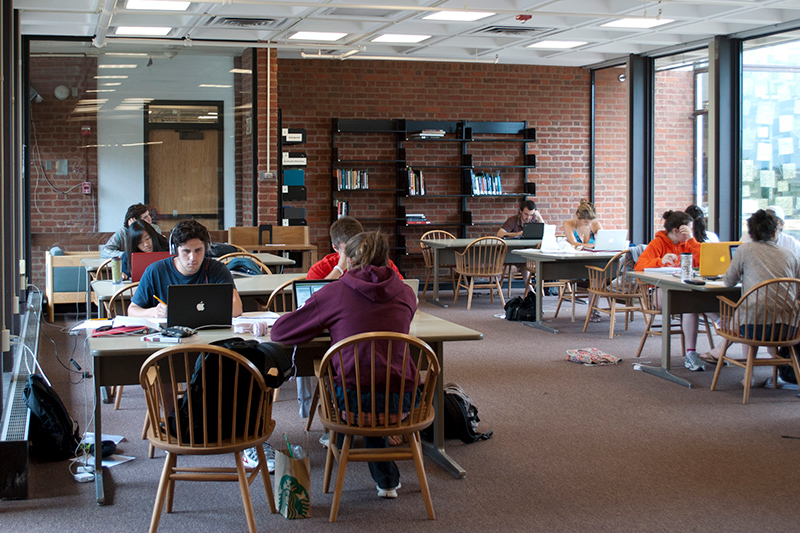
(752, 331)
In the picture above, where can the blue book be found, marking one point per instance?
(294, 176)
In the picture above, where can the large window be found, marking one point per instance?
(771, 127)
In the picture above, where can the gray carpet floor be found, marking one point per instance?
(575, 448)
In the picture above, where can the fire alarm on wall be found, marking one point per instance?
(86, 187)
(86, 131)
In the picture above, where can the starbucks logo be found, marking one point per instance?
(293, 499)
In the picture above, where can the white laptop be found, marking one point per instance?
(610, 240)
(549, 243)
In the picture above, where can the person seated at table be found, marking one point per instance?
(142, 238)
(700, 224)
(512, 227)
(369, 297)
(333, 266)
(189, 242)
(580, 230)
(115, 247)
(784, 240)
(758, 260)
(665, 250)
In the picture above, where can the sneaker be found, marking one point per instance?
(693, 362)
(269, 453)
(388, 493)
(250, 457)
(325, 439)
(781, 384)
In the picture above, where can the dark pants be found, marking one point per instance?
(385, 474)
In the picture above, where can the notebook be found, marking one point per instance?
(200, 306)
(531, 230)
(140, 261)
(302, 289)
(610, 240)
(715, 257)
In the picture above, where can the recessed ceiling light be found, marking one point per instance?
(458, 16)
(153, 5)
(117, 66)
(637, 23)
(399, 38)
(559, 45)
(208, 85)
(240, 71)
(111, 77)
(158, 31)
(317, 36)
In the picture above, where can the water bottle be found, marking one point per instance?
(116, 270)
(686, 267)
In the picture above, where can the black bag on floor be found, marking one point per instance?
(460, 417)
(521, 309)
(54, 435)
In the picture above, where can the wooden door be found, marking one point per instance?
(184, 176)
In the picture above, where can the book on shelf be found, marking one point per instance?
(350, 180)
(416, 182)
(484, 184)
(342, 208)
(416, 218)
(428, 134)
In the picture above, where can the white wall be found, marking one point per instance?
(121, 168)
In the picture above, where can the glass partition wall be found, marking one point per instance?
(771, 127)
(112, 127)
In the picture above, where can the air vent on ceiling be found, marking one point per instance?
(512, 31)
(245, 23)
(354, 12)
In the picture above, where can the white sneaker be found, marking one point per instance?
(388, 493)
(250, 457)
(693, 362)
(325, 439)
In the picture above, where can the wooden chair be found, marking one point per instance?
(427, 256)
(482, 258)
(376, 418)
(118, 305)
(225, 259)
(649, 299)
(281, 298)
(612, 283)
(102, 272)
(767, 315)
(219, 419)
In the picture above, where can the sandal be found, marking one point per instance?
(708, 357)
(396, 440)
(595, 317)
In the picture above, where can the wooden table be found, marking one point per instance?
(309, 251)
(679, 297)
(117, 361)
(444, 252)
(560, 265)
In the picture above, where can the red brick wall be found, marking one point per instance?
(555, 100)
(243, 87)
(267, 189)
(611, 148)
(674, 149)
(59, 210)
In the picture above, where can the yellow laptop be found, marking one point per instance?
(715, 257)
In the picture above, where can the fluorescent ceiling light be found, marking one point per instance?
(317, 36)
(153, 5)
(559, 45)
(637, 23)
(157, 31)
(117, 66)
(210, 86)
(458, 16)
(240, 71)
(111, 84)
(100, 90)
(126, 54)
(399, 38)
(111, 77)
(208, 117)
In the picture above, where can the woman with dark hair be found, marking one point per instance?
(115, 247)
(580, 231)
(141, 237)
(369, 297)
(675, 239)
(699, 225)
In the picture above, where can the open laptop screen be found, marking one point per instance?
(203, 305)
(140, 261)
(302, 289)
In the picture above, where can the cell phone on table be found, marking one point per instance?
(694, 282)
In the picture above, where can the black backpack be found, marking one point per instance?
(460, 417)
(264, 355)
(53, 435)
(521, 309)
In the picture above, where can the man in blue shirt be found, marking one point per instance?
(189, 242)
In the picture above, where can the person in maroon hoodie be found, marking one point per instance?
(369, 297)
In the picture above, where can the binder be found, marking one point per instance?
(294, 176)
(294, 193)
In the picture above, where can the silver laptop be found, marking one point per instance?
(302, 289)
(610, 240)
(200, 306)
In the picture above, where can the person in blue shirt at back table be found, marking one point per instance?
(189, 265)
